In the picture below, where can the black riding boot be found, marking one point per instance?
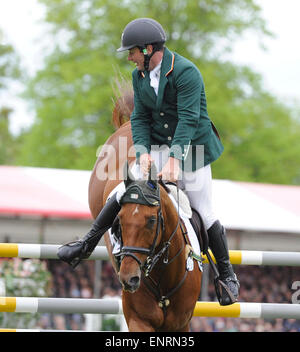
(219, 248)
(74, 252)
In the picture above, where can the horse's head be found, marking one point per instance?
(140, 220)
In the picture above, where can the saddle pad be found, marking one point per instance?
(183, 200)
(190, 230)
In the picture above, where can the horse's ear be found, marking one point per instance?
(128, 176)
(152, 177)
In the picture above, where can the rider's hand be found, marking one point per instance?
(170, 172)
(145, 163)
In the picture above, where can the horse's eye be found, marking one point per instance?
(151, 222)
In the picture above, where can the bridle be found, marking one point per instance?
(152, 257)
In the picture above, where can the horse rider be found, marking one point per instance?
(170, 124)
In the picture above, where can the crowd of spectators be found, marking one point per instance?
(68, 283)
(79, 283)
(258, 284)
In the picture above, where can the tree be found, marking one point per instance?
(260, 133)
(7, 147)
(9, 70)
(72, 94)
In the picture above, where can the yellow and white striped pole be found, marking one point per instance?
(114, 306)
(239, 257)
(20, 330)
(243, 257)
(60, 305)
(42, 251)
(41, 330)
(248, 310)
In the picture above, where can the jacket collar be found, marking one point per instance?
(167, 67)
(168, 61)
(167, 64)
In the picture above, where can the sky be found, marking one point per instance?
(279, 65)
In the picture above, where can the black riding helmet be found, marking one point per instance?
(141, 32)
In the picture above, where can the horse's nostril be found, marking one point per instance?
(134, 281)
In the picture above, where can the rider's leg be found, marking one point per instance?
(219, 247)
(74, 252)
(198, 186)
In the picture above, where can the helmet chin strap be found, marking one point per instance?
(147, 57)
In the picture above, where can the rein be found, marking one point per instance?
(153, 258)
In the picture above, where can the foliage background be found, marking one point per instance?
(23, 278)
(72, 94)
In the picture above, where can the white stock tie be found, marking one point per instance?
(154, 78)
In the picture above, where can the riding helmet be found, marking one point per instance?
(140, 32)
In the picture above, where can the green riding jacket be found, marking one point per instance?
(177, 116)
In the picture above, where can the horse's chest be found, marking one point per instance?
(175, 320)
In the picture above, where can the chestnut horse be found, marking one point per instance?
(161, 296)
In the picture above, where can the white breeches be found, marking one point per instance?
(199, 192)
